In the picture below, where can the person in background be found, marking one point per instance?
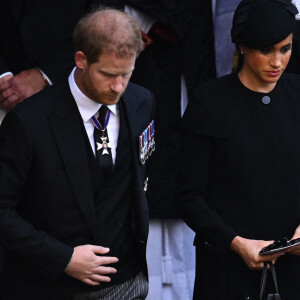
(294, 63)
(73, 211)
(224, 48)
(36, 47)
(239, 161)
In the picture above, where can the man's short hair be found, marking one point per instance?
(108, 30)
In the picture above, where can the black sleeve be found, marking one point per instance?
(194, 177)
(35, 248)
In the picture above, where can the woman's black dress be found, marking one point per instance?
(240, 175)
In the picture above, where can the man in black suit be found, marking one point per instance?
(72, 226)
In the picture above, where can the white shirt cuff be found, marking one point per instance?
(46, 77)
(5, 74)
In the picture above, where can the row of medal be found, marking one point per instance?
(146, 143)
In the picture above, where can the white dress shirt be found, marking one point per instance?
(2, 111)
(2, 114)
(89, 108)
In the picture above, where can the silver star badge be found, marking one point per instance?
(104, 145)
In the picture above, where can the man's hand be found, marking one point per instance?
(249, 249)
(5, 78)
(19, 87)
(89, 267)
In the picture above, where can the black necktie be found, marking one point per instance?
(102, 146)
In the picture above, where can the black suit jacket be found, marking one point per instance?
(46, 201)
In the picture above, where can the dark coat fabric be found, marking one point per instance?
(46, 197)
(239, 175)
(159, 68)
(39, 34)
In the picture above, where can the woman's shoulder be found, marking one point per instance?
(212, 106)
(217, 85)
(215, 94)
(291, 80)
(289, 87)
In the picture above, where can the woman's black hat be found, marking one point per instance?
(263, 23)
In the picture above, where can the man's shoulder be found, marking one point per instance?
(43, 101)
(137, 90)
(137, 97)
(36, 104)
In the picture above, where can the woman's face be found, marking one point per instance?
(263, 67)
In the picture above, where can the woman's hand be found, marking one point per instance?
(295, 250)
(248, 250)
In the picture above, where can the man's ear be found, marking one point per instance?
(80, 60)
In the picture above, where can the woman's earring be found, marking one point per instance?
(242, 52)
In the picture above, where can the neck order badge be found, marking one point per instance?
(103, 148)
(104, 145)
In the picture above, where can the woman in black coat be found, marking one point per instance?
(239, 182)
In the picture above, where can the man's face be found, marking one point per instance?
(105, 80)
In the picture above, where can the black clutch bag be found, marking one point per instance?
(264, 275)
(279, 245)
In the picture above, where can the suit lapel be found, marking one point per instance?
(136, 123)
(69, 134)
(131, 111)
